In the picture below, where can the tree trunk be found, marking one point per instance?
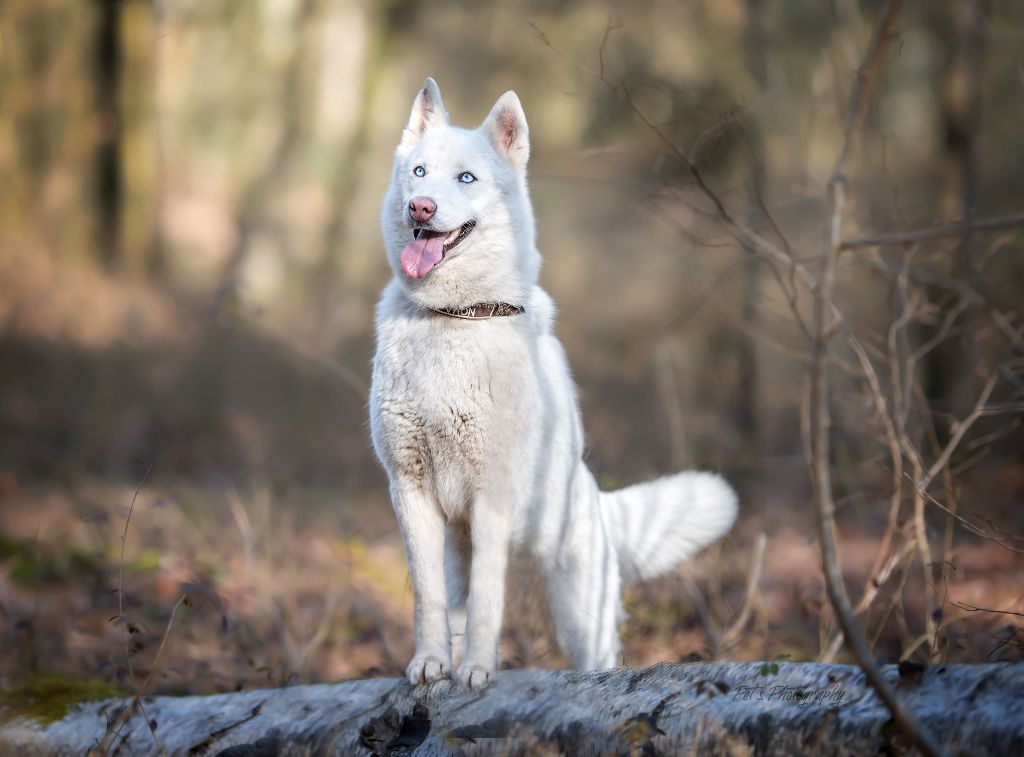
(704, 708)
(108, 147)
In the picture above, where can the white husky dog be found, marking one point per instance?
(474, 417)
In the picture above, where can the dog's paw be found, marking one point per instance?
(474, 677)
(427, 668)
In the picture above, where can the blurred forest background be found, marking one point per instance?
(190, 257)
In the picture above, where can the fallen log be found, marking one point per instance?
(700, 708)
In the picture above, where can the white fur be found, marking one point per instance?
(477, 426)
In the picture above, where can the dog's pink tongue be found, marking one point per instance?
(422, 254)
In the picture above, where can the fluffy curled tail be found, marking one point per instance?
(658, 524)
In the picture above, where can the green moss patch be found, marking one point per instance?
(47, 697)
(33, 564)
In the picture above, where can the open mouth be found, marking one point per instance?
(451, 238)
(428, 248)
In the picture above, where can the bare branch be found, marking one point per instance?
(876, 581)
(747, 237)
(973, 608)
(820, 420)
(962, 427)
(973, 528)
(935, 232)
(1001, 320)
(942, 332)
(604, 43)
(895, 455)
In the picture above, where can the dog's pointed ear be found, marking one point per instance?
(427, 113)
(506, 127)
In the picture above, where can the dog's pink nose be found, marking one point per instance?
(422, 208)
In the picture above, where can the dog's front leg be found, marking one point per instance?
(422, 526)
(489, 535)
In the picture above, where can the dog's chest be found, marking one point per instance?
(442, 396)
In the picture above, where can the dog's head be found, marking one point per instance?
(457, 221)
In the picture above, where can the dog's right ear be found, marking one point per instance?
(427, 113)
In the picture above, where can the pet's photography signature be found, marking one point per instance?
(798, 696)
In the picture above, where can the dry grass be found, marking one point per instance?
(282, 591)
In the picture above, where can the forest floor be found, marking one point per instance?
(227, 591)
(235, 564)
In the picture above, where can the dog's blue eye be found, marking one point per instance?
(420, 171)
(466, 177)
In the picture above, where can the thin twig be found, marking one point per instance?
(163, 643)
(935, 232)
(873, 587)
(968, 525)
(120, 612)
(974, 608)
(732, 634)
(701, 606)
(926, 636)
(124, 537)
(961, 428)
(895, 455)
(1001, 320)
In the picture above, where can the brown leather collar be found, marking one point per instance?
(481, 311)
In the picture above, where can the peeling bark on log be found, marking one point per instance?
(702, 708)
